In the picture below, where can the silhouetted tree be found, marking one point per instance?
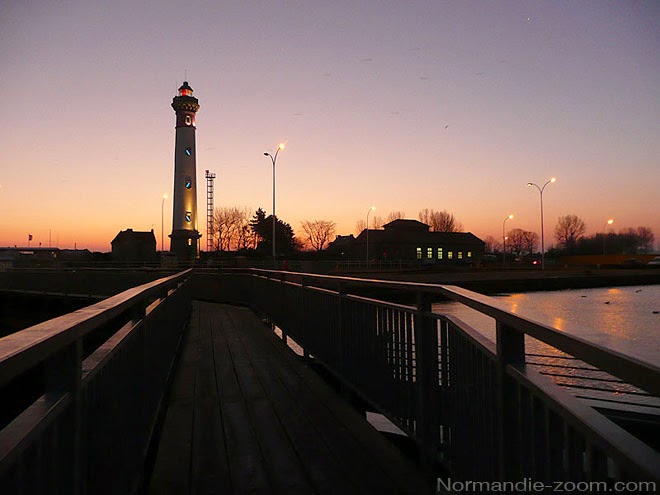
(360, 225)
(492, 244)
(628, 241)
(318, 232)
(522, 241)
(395, 215)
(646, 239)
(231, 228)
(440, 221)
(530, 240)
(262, 226)
(568, 230)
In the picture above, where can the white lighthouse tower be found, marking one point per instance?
(184, 236)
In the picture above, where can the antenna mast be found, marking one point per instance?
(210, 177)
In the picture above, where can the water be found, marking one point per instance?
(625, 319)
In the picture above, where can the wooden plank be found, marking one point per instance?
(365, 456)
(262, 422)
(209, 463)
(171, 473)
(245, 461)
(282, 466)
(289, 470)
(321, 467)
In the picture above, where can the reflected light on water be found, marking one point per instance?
(620, 318)
(623, 319)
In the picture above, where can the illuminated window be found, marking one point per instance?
(188, 120)
(440, 253)
(450, 255)
(188, 151)
(188, 216)
(460, 255)
(429, 253)
(189, 242)
(188, 183)
(469, 254)
(419, 253)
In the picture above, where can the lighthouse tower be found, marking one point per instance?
(184, 236)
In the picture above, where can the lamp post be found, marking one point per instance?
(368, 211)
(609, 222)
(542, 232)
(274, 159)
(508, 217)
(162, 223)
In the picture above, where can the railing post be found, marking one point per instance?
(303, 315)
(62, 374)
(341, 333)
(510, 351)
(426, 351)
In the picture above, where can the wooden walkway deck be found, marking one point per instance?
(246, 415)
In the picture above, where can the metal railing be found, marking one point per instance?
(81, 393)
(470, 404)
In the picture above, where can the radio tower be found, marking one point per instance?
(210, 177)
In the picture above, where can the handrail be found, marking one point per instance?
(86, 391)
(469, 403)
(21, 350)
(635, 371)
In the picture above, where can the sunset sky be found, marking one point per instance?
(403, 105)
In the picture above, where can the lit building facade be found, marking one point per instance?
(184, 241)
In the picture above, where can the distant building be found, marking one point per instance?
(342, 245)
(413, 240)
(41, 256)
(130, 245)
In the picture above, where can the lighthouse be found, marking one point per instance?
(184, 236)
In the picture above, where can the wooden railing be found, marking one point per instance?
(80, 394)
(472, 405)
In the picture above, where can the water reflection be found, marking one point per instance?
(621, 319)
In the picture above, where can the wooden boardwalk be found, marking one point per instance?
(246, 415)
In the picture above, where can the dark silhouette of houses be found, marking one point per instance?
(413, 240)
(341, 246)
(42, 256)
(129, 245)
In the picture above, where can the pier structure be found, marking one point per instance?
(180, 385)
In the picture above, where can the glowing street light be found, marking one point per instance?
(368, 211)
(509, 217)
(162, 223)
(609, 222)
(542, 232)
(274, 159)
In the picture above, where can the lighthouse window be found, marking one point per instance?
(188, 120)
(188, 151)
(188, 216)
(188, 183)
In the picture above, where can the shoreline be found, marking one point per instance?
(507, 281)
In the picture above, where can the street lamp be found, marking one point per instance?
(368, 211)
(162, 223)
(274, 159)
(609, 222)
(509, 217)
(542, 232)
